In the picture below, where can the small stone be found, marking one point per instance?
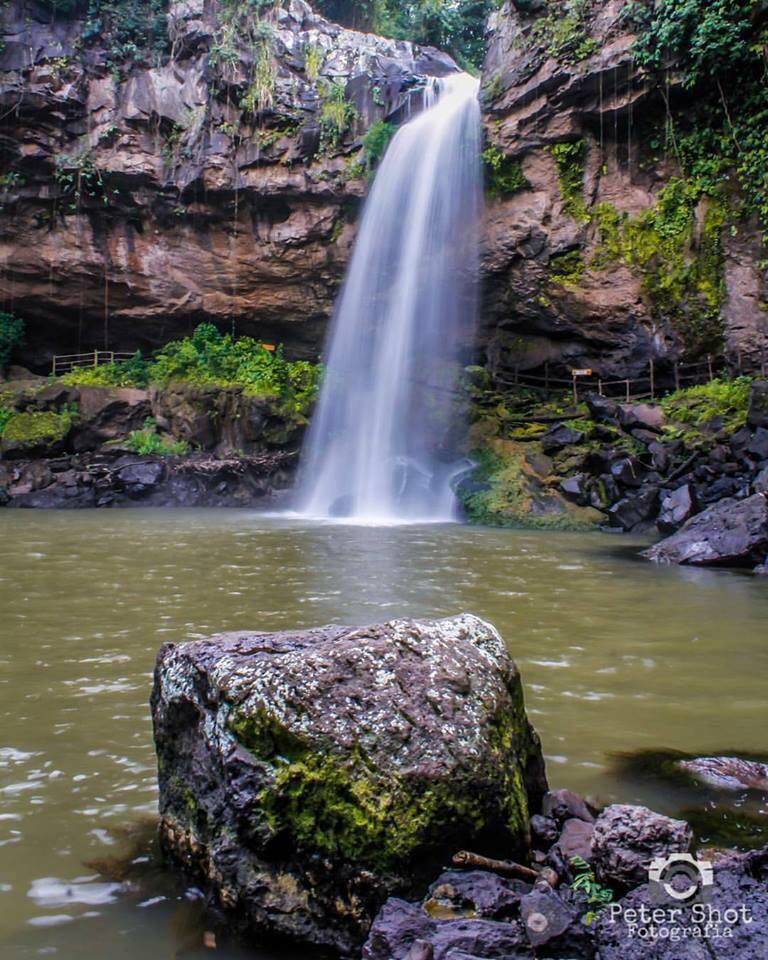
(576, 840)
(676, 508)
(562, 805)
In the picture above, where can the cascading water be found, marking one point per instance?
(380, 445)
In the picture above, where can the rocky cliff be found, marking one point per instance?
(200, 160)
(605, 246)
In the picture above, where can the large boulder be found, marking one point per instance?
(305, 776)
(731, 532)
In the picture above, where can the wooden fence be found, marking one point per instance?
(647, 387)
(65, 363)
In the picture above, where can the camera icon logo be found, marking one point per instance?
(681, 876)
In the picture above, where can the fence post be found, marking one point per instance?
(599, 387)
(627, 384)
(653, 379)
(95, 358)
(709, 367)
(575, 391)
(677, 376)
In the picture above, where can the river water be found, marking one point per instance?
(615, 653)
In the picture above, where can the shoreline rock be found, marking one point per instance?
(306, 776)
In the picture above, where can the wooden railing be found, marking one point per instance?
(65, 363)
(646, 387)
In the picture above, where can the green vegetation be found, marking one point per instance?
(598, 896)
(313, 61)
(77, 177)
(376, 141)
(337, 114)
(148, 441)
(562, 32)
(345, 808)
(676, 247)
(11, 336)
(503, 175)
(567, 269)
(457, 26)
(569, 158)
(38, 428)
(724, 400)
(210, 357)
(719, 47)
(246, 25)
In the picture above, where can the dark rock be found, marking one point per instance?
(733, 532)
(643, 415)
(559, 437)
(575, 487)
(602, 409)
(727, 773)
(108, 414)
(628, 471)
(632, 511)
(139, 477)
(576, 840)
(562, 805)
(757, 412)
(5, 497)
(544, 830)
(721, 489)
(740, 440)
(463, 893)
(676, 508)
(758, 445)
(627, 838)
(265, 739)
(604, 492)
(55, 397)
(555, 925)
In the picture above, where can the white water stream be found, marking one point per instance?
(381, 445)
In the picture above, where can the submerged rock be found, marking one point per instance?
(731, 532)
(728, 773)
(305, 776)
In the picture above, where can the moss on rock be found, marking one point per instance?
(35, 430)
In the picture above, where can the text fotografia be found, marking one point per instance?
(700, 921)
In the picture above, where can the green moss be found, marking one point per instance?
(503, 176)
(563, 31)
(345, 809)
(34, 429)
(567, 269)
(517, 496)
(569, 158)
(608, 222)
(726, 400)
(376, 141)
(148, 442)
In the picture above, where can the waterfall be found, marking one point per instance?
(381, 447)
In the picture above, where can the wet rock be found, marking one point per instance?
(562, 805)
(108, 414)
(553, 926)
(544, 830)
(629, 472)
(628, 837)
(402, 926)
(676, 508)
(575, 487)
(732, 532)
(139, 477)
(474, 893)
(633, 511)
(727, 773)
(760, 483)
(758, 445)
(757, 412)
(409, 738)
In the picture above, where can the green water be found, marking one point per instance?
(615, 653)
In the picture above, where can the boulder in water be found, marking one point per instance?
(305, 776)
(732, 532)
(727, 773)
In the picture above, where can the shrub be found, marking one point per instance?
(11, 336)
(503, 175)
(376, 141)
(126, 373)
(148, 441)
(696, 406)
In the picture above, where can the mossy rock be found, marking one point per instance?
(338, 766)
(513, 485)
(35, 433)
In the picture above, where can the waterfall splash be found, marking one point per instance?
(380, 448)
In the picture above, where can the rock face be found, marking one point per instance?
(732, 533)
(142, 195)
(304, 776)
(563, 284)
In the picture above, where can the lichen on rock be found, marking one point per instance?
(340, 764)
